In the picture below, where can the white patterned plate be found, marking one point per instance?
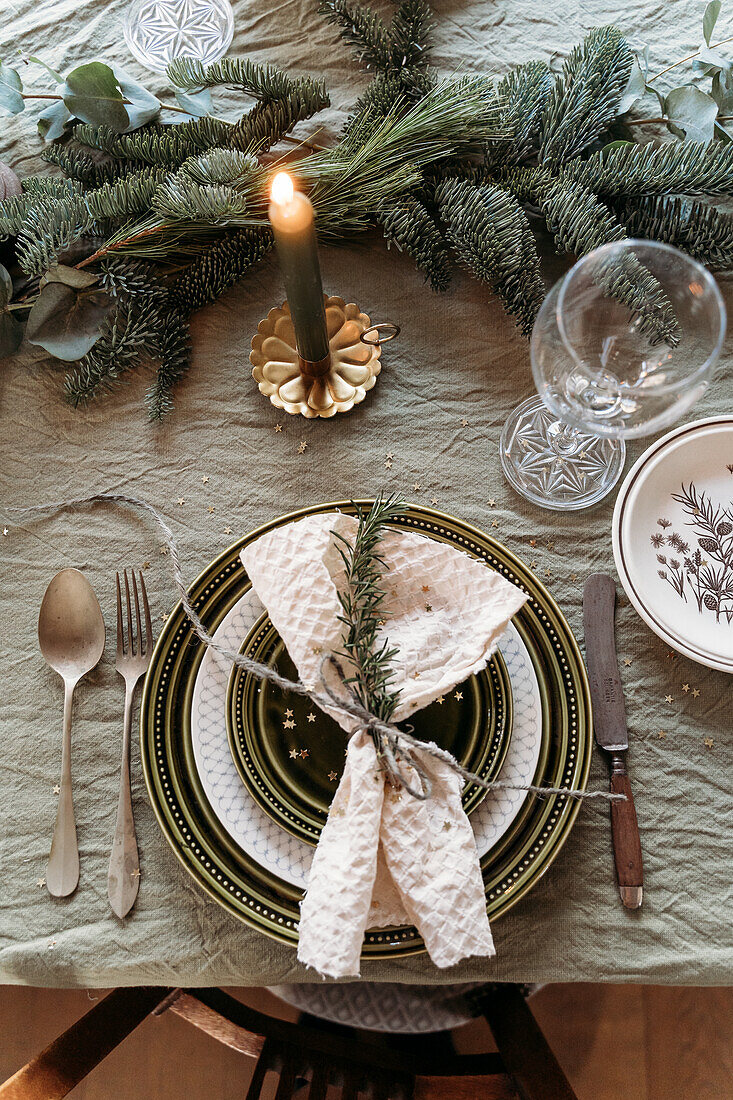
(673, 539)
(261, 837)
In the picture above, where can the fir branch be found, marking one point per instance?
(268, 122)
(128, 278)
(160, 146)
(578, 220)
(525, 93)
(409, 34)
(586, 97)
(702, 231)
(263, 82)
(180, 198)
(363, 29)
(408, 225)
(80, 166)
(174, 347)
(491, 235)
(221, 166)
(220, 267)
(687, 168)
(360, 602)
(128, 336)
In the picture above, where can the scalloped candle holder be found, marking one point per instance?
(315, 389)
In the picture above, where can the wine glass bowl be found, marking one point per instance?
(623, 346)
(601, 366)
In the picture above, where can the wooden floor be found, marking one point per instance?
(614, 1042)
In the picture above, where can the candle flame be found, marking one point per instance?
(282, 188)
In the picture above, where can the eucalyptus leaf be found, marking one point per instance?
(11, 335)
(66, 323)
(57, 76)
(709, 19)
(722, 92)
(53, 121)
(69, 276)
(634, 90)
(196, 104)
(710, 61)
(143, 106)
(691, 113)
(93, 94)
(6, 287)
(10, 88)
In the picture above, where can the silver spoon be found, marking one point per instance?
(71, 637)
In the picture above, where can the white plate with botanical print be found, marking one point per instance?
(258, 834)
(673, 539)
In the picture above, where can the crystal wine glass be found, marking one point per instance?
(622, 347)
(159, 31)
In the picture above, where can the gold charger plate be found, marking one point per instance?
(263, 900)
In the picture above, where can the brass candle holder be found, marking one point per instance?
(331, 385)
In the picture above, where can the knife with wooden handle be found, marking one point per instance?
(609, 724)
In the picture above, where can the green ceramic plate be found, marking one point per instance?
(290, 754)
(268, 903)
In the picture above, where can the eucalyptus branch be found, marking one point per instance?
(690, 57)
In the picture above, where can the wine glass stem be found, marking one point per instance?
(564, 439)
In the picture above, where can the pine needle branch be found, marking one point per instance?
(360, 603)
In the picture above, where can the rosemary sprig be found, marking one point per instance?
(360, 602)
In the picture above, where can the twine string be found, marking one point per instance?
(397, 748)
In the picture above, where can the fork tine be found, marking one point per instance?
(138, 647)
(130, 635)
(120, 636)
(148, 623)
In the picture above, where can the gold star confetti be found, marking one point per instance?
(227, 530)
(390, 456)
(40, 882)
(494, 523)
(492, 502)
(211, 509)
(446, 826)
(381, 622)
(440, 699)
(662, 734)
(458, 696)
(464, 422)
(164, 617)
(289, 724)
(56, 789)
(551, 546)
(180, 501)
(332, 776)
(302, 447)
(278, 427)
(293, 754)
(685, 688)
(5, 531)
(388, 464)
(695, 693)
(533, 542)
(317, 649)
(428, 607)
(426, 588)
(573, 576)
(164, 550)
(51, 944)
(416, 675)
(533, 565)
(670, 653)
(146, 565)
(627, 661)
(547, 572)
(304, 753)
(311, 717)
(204, 479)
(668, 699)
(417, 487)
(433, 500)
(288, 713)
(708, 742)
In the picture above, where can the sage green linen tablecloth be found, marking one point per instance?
(458, 357)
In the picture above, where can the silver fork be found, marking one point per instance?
(133, 658)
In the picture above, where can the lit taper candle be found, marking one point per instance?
(293, 224)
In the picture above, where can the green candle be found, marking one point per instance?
(293, 224)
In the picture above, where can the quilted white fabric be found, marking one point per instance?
(384, 857)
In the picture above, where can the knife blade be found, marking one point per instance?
(611, 732)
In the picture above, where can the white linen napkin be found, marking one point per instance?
(384, 857)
